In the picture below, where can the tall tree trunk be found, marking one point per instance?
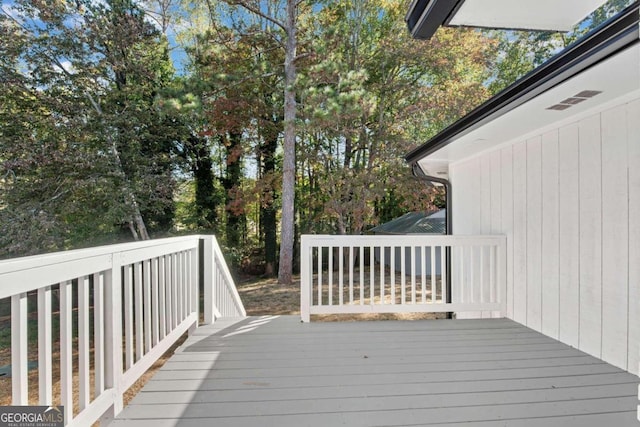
(285, 270)
(235, 220)
(267, 205)
(139, 232)
(348, 152)
(140, 225)
(130, 198)
(205, 193)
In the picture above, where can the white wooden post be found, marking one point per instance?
(305, 280)
(45, 369)
(19, 370)
(175, 291)
(128, 316)
(162, 304)
(168, 278)
(146, 292)
(113, 337)
(98, 332)
(138, 324)
(195, 287)
(208, 272)
(179, 288)
(501, 264)
(66, 350)
(445, 262)
(319, 270)
(154, 302)
(83, 343)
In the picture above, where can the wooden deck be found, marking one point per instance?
(275, 371)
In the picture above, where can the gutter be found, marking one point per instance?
(426, 16)
(419, 173)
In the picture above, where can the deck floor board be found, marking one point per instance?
(275, 371)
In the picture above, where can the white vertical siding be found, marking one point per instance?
(550, 268)
(485, 225)
(496, 191)
(590, 236)
(506, 210)
(519, 232)
(468, 219)
(615, 236)
(569, 237)
(568, 201)
(633, 157)
(496, 203)
(534, 233)
(485, 194)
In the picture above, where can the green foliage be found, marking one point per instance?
(85, 150)
(370, 94)
(101, 137)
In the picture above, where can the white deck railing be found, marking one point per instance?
(119, 308)
(400, 274)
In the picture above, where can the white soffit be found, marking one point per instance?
(553, 15)
(435, 168)
(616, 77)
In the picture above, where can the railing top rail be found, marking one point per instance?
(231, 287)
(37, 261)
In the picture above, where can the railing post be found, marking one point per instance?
(66, 349)
(19, 355)
(208, 272)
(194, 287)
(305, 279)
(113, 337)
(502, 275)
(45, 368)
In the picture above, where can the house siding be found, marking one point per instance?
(568, 201)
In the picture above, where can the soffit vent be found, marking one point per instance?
(588, 94)
(559, 107)
(573, 100)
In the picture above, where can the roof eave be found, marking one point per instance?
(426, 16)
(611, 37)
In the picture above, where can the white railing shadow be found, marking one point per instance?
(402, 274)
(118, 308)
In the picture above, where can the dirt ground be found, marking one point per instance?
(268, 297)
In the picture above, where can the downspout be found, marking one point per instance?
(419, 173)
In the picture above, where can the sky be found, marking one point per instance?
(177, 53)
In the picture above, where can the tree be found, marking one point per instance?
(371, 94)
(84, 77)
(95, 118)
(241, 66)
(288, 24)
(135, 56)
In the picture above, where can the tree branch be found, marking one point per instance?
(239, 82)
(257, 12)
(302, 56)
(54, 59)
